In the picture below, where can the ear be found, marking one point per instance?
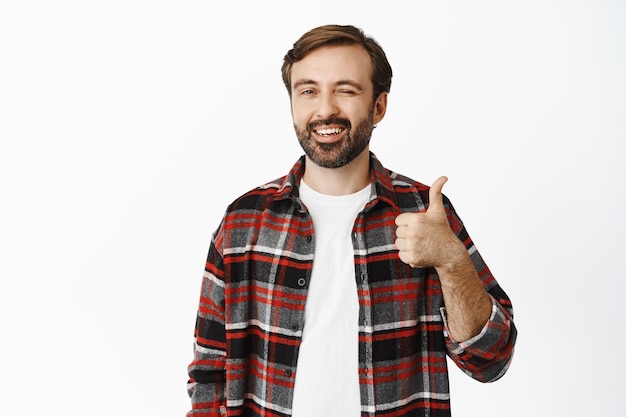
(380, 107)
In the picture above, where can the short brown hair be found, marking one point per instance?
(333, 35)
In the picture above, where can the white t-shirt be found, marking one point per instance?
(327, 378)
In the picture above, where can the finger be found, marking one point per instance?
(435, 196)
(401, 232)
(403, 219)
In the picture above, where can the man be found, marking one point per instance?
(339, 289)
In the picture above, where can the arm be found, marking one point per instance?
(427, 240)
(206, 371)
(468, 305)
(477, 315)
(486, 356)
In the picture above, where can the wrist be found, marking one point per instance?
(455, 257)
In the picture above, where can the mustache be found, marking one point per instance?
(332, 121)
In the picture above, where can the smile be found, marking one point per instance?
(330, 131)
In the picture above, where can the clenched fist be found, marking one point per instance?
(426, 239)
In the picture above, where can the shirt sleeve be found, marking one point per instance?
(485, 357)
(207, 370)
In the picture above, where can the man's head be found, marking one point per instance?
(338, 80)
(335, 35)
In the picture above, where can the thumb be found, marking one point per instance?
(435, 196)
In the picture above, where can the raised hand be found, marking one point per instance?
(425, 239)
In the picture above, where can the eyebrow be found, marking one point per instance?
(351, 83)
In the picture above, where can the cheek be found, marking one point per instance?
(356, 111)
(300, 114)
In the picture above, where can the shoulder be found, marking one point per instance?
(407, 193)
(400, 191)
(281, 190)
(259, 197)
(411, 194)
(402, 182)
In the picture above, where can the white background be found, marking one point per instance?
(126, 128)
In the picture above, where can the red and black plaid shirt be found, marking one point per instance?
(251, 310)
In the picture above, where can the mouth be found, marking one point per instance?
(329, 134)
(329, 131)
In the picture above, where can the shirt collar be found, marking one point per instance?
(381, 178)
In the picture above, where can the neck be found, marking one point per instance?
(347, 179)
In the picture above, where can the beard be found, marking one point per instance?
(336, 154)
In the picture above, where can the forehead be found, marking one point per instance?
(329, 64)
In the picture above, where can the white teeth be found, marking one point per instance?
(333, 131)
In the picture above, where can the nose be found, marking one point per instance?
(328, 106)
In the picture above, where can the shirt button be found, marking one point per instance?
(294, 327)
(309, 238)
(288, 372)
(302, 282)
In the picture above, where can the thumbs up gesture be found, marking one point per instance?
(425, 239)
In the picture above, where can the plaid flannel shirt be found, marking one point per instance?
(251, 309)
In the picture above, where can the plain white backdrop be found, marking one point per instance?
(126, 127)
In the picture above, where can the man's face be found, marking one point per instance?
(332, 104)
